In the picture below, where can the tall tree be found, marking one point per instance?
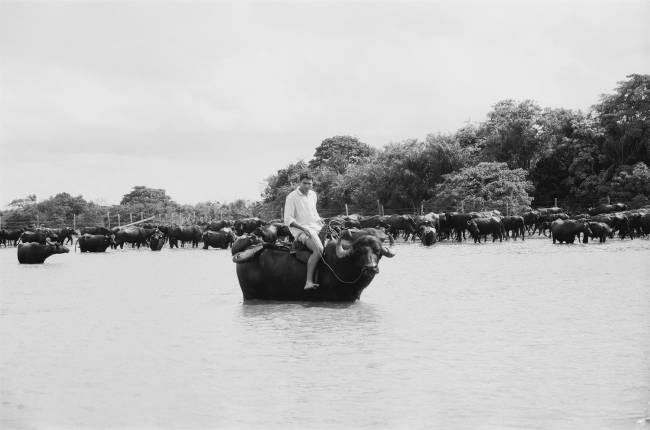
(625, 118)
(338, 152)
(485, 186)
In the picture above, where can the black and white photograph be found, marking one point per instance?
(325, 214)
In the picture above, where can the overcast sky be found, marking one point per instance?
(207, 99)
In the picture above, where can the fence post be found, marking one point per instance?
(421, 208)
(130, 217)
(38, 222)
(346, 210)
(108, 217)
(382, 210)
(221, 213)
(507, 209)
(141, 216)
(74, 222)
(118, 220)
(555, 204)
(378, 207)
(608, 201)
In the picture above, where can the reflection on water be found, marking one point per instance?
(512, 335)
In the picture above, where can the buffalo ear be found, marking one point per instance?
(387, 252)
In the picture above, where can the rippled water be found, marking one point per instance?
(490, 336)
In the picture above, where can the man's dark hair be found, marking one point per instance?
(306, 175)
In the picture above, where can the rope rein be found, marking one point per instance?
(334, 228)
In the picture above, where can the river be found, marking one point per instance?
(518, 335)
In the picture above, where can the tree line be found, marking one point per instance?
(521, 155)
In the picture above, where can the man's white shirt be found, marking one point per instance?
(302, 209)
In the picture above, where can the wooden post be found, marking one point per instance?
(378, 207)
(108, 217)
(608, 201)
(74, 222)
(421, 208)
(118, 220)
(221, 213)
(38, 222)
(346, 210)
(555, 204)
(141, 216)
(382, 210)
(130, 217)
(507, 209)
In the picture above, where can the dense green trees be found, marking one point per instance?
(521, 153)
(488, 185)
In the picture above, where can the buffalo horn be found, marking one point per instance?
(340, 252)
(387, 252)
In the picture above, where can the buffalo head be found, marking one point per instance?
(365, 245)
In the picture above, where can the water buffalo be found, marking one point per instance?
(401, 224)
(605, 209)
(95, 230)
(218, 225)
(134, 235)
(374, 221)
(479, 227)
(37, 236)
(600, 230)
(94, 242)
(567, 230)
(458, 222)
(219, 239)
(514, 224)
(427, 235)
(190, 233)
(35, 253)
(345, 270)
(61, 235)
(619, 222)
(247, 225)
(157, 240)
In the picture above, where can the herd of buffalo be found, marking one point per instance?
(605, 221)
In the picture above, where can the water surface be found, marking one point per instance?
(492, 336)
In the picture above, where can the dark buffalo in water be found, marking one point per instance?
(458, 223)
(184, 234)
(427, 235)
(567, 231)
(218, 225)
(157, 240)
(514, 225)
(600, 231)
(374, 221)
(38, 236)
(219, 239)
(481, 227)
(134, 235)
(545, 220)
(606, 209)
(95, 230)
(247, 225)
(95, 242)
(12, 236)
(401, 224)
(61, 235)
(619, 223)
(36, 253)
(346, 269)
